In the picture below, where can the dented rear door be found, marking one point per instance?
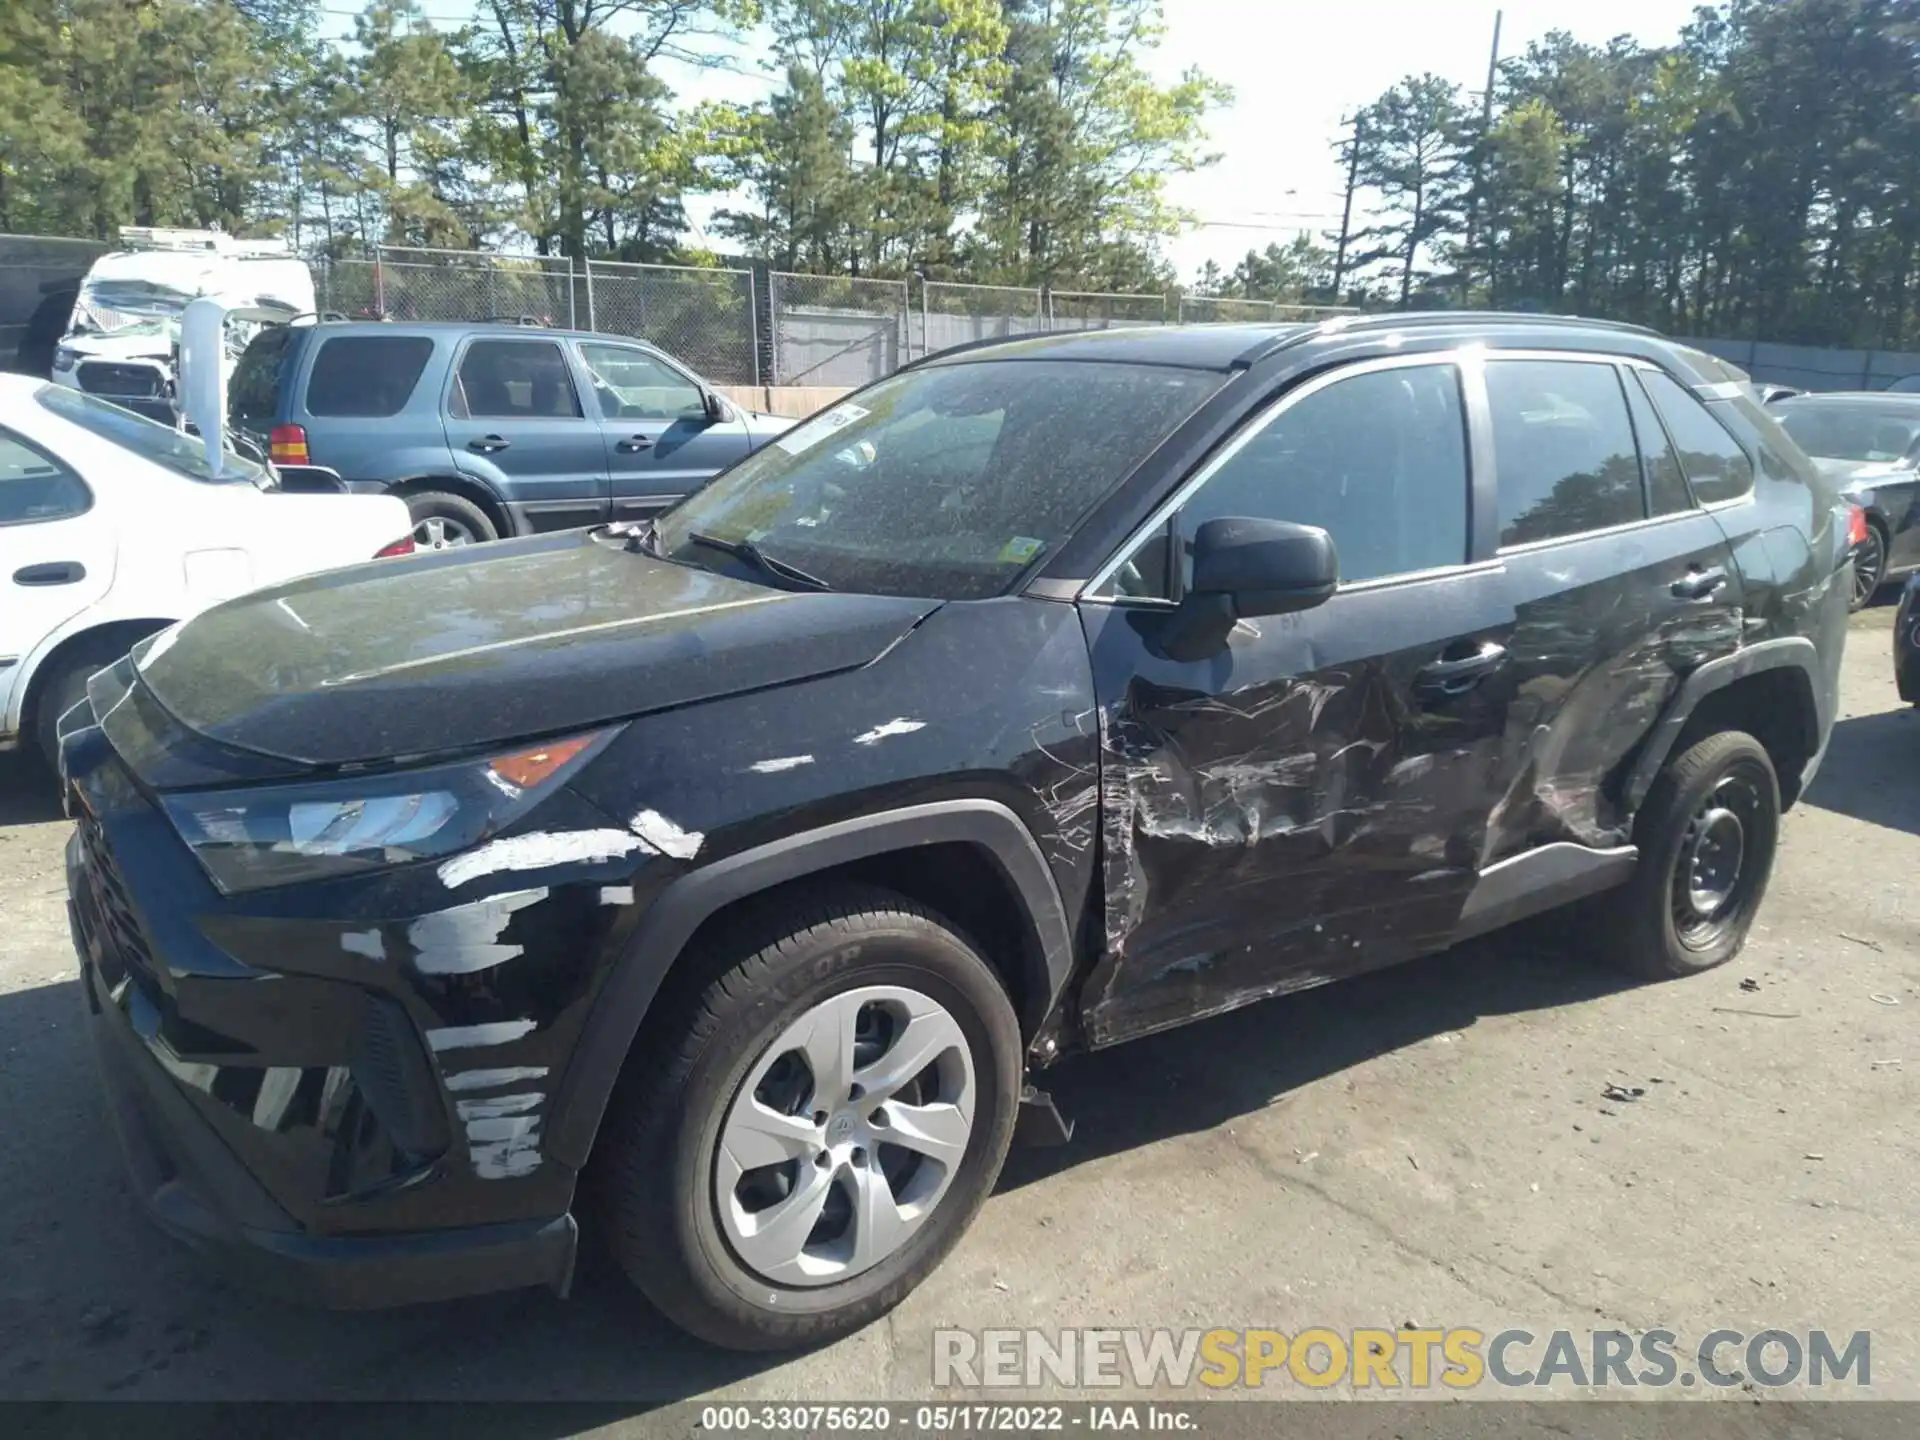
(1620, 582)
(1312, 800)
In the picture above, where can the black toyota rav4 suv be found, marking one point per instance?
(730, 877)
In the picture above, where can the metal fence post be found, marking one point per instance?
(753, 325)
(593, 319)
(773, 324)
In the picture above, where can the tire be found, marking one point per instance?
(442, 520)
(1655, 929)
(673, 1202)
(1869, 564)
(64, 687)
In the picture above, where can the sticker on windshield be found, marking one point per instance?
(827, 422)
(1021, 549)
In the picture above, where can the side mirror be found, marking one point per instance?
(718, 410)
(1243, 568)
(1266, 567)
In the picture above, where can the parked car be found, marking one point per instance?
(491, 429)
(730, 877)
(113, 527)
(125, 319)
(1906, 642)
(1869, 442)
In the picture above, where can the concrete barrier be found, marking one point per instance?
(796, 401)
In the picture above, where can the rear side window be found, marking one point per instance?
(1377, 460)
(515, 379)
(1666, 481)
(1715, 464)
(366, 376)
(253, 394)
(34, 487)
(1564, 449)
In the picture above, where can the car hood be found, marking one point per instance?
(459, 649)
(150, 346)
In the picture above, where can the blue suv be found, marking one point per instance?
(489, 429)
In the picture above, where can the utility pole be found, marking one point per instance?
(1480, 160)
(1346, 210)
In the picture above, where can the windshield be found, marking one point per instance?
(944, 482)
(1843, 430)
(150, 440)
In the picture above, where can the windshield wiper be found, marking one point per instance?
(759, 559)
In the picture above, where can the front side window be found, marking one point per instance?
(1377, 460)
(149, 439)
(1564, 449)
(945, 482)
(1715, 464)
(514, 380)
(34, 487)
(630, 384)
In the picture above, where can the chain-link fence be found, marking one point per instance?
(410, 284)
(703, 316)
(837, 330)
(953, 314)
(39, 277)
(1225, 310)
(1085, 310)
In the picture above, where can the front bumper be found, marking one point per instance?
(196, 1190)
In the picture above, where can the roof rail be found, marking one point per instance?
(1416, 319)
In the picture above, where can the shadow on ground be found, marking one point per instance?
(79, 1249)
(1869, 769)
(29, 794)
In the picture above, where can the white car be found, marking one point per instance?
(113, 527)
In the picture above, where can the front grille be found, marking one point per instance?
(105, 377)
(106, 910)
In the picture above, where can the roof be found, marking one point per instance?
(465, 327)
(1889, 399)
(1221, 347)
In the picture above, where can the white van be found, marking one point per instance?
(120, 339)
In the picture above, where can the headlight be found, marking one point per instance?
(65, 358)
(278, 835)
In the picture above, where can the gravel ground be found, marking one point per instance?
(1430, 1145)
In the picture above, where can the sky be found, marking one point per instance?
(1298, 69)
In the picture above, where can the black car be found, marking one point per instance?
(730, 877)
(1868, 443)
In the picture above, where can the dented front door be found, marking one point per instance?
(1312, 800)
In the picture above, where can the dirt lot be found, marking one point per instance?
(1429, 1145)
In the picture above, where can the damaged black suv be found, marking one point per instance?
(728, 878)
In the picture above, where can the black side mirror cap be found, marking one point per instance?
(1265, 567)
(718, 410)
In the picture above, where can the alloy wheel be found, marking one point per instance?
(1869, 567)
(844, 1136)
(437, 532)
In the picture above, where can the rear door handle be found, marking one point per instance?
(1698, 584)
(1451, 676)
(487, 444)
(62, 572)
(635, 442)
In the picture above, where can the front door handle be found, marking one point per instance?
(1698, 584)
(635, 442)
(62, 572)
(487, 444)
(1453, 675)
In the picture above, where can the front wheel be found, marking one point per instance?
(824, 1120)
(1707, 835)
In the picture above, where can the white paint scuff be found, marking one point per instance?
(466, 1037)
(665, 836)
(466, 938)
(537, 852)
(779, 764)
(503, 1105)
(364, 942)
(900, 726)
(489, 1079)
(502, 1147)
